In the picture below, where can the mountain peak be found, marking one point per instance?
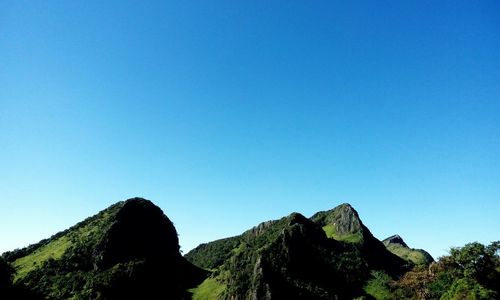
(342, 223)
(395, 239)
(140, 230)
(129, 250)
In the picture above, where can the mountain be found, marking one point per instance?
(396, 245)
(343, 224)
(330, 255)
(129, 250)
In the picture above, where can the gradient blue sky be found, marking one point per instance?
(230, 113)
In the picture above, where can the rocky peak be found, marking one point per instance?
(344, 218)
(347, 220)
(395, 239)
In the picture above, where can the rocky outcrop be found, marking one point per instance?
(343, 223)
(290, 258)
(344, 219)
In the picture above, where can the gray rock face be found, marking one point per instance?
(344, 221)
(344, 217)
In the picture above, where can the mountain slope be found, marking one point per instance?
(290, 258)
(128, 250)
(343, 224)
(396, 245)
(328, 256)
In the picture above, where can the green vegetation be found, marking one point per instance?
(397, 246)
(53, 250)
(290, 258)
(211, 288)
(469, 272)
(331, 232)
(210, 256)
(416, 256)
(379, 286)
(130, 250)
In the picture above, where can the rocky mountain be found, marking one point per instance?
(328, 256)
(396, 245)
(127, 251)
(131, 251)
(343, 224)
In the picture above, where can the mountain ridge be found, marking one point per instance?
(263, 261)
(130, 250)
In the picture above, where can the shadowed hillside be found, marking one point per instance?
(129, 250)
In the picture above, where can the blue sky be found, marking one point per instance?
(230, 113)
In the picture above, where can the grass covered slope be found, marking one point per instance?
(130, 249)
(396, 245)
(85, 234)
(328, 256)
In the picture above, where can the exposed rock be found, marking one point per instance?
(344, 218)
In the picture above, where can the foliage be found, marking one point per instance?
(379, 286)
(469, 272)
(211, 288)
(416, 256)
(331, 232)
(212, 255)
(465, 288)
(52, 250)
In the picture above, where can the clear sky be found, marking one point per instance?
(230, 113)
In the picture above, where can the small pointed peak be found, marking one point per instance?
(346, 208)
(395, 239)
